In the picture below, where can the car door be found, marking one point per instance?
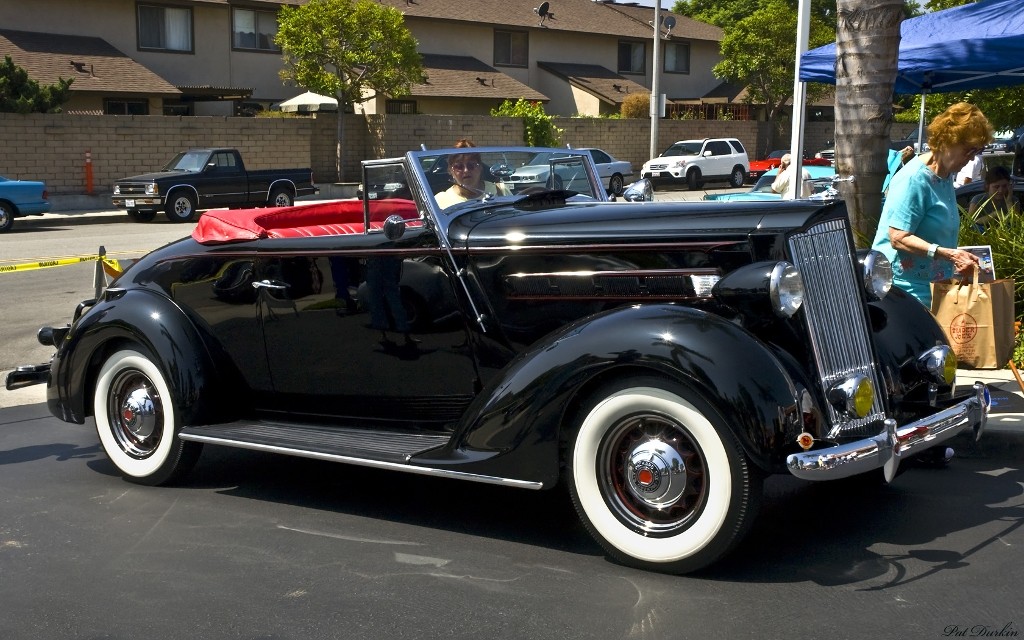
(721, 158)
(362, 328)
(222, 182)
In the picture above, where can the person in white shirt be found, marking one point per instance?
(970, 173)
(781, 183)
(467, 172)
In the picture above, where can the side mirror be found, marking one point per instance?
(639, 191)
(394, 227)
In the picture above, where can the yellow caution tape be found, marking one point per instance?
(108, 263)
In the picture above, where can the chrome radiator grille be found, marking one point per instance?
(836, 318)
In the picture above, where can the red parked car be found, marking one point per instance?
(774, 159)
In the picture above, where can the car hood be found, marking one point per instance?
(157, 175)
(645, 223)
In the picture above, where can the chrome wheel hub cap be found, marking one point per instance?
(138, 414)
(655, 474)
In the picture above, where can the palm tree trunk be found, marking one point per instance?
(867, 48)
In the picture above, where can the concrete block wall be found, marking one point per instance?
(52, 147)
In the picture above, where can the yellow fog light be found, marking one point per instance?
(949, 368)
(863, 398)
(854, 395)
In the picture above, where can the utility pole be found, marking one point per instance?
(656, 81)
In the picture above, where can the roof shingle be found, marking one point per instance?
(467, 77)
(93, 63)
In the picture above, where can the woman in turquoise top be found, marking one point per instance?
(920, 220)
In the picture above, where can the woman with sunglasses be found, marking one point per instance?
(467, 172)
(920, 220)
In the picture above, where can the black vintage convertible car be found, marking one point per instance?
(659, 359)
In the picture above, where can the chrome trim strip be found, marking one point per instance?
(887, 448)
(361, 462)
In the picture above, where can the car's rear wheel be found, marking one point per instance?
(141, 216)
(693, 179)
(281, 198)
(181, 206)
(658, 479)
(136, 420)
(6, 217)
(615, 184)
(738, 177)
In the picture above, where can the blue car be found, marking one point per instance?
(821, 179)
(21, 198)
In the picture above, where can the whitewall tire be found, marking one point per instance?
(136, 420)
(657, 479)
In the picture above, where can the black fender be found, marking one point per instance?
(903, 330)
(144, 318)
(514, 428)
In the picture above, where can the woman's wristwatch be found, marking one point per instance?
(932, 250)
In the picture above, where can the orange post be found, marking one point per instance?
(88, 172)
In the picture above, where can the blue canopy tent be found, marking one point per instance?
(974, 46)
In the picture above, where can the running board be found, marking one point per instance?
(363, 447)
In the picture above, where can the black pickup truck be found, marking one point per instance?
(199, 179)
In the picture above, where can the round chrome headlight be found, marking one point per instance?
(786, 289)
(877, 275)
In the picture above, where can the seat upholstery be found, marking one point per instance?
(339, 217)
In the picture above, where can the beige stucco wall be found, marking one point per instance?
(51, 147)
(212, 62)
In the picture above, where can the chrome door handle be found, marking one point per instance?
(269, 284)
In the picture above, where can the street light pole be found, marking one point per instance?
(656, 81)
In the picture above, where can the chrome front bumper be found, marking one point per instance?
(887, 448)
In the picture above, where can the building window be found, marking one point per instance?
(165, 28)
(511, 48)
(177, 108)
(118, 107)
(631, 57)
(404, 107)
(255, 30)
(677, 57)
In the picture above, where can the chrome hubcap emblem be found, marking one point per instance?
(656, 474)
(138, 414)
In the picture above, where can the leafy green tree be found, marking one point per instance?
(759, 51)
(539, 129)
(21, 94)
(724, 13)
(349, 49)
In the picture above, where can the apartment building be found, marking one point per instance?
(218, 57)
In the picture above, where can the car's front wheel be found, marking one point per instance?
(6, 217)
(136, 420)
(615, 185)
(658, 479)
(693, 179)
(181, 206)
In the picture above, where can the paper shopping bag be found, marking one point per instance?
(977, 318)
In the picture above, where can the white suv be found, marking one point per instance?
(700, 161)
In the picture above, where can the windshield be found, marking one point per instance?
(684, 149)
(482, 175)
(188, 161)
